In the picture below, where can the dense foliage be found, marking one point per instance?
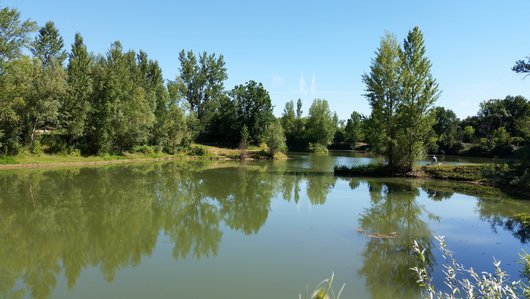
(60, 101)
(73, 101)
(401, 91)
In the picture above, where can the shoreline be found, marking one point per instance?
(465, 173)
(51, 161)
(84, 163)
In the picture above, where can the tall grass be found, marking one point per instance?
(324, 290)
(464, 282)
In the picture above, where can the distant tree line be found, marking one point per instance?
(64, 101)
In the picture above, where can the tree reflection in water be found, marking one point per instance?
(110, 217)
(393, 221)
(60, 222)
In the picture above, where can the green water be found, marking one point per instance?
(232, 230)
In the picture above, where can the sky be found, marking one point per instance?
(312, 49)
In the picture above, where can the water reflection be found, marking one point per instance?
(60, 222)
(392, 222)
(109, 218)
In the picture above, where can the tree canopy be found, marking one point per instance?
(401, 91)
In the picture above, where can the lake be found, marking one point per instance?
(240, 230)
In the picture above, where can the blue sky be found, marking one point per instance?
(312, 49)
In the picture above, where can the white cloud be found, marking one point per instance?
(302, 88)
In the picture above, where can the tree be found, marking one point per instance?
(48, 45)
(288, 119)
(42, 98)
(76, 105)
(254, 108)
(383, 85)
(299, 127)
(523, 126)
(16, 88)
(521, 66)
(321, 123)
(497, 113)
(15, 82)
(122, 115)
(401, 91)
(353, 129)
(419, 93)
(275, 138)
(469, 134)
(445, 128)
(201, 84)
(245, 136)
(14, 34)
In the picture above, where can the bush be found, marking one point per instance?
(522, 182)
(145, 149)
(194, 150)
(318, 148)
(36, 148)
(199, 150)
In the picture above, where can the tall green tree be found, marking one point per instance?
(321, 123)
(122, 114)
(42, 109)
(294, 126)
(383, 86)
(497, 113)
(401, 91)
(41, 105)
(353, 129)
(48, 45)
(17, 89)
(77, 102)
(14, 34)
(254, 108)
(201, 83)
(445, 128)
(14, 81)
(288, 119)
(419, 93)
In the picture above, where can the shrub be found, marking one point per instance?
(36, 148)
(144, 149)
(318, 148)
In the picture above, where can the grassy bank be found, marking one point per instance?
(194, 152)
(513, 179)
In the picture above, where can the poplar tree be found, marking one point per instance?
(321, 123)
(201, 83)
(401, 92)
(76, 105)
(383, 85)
(418, 95)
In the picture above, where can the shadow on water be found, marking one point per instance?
(60, 222)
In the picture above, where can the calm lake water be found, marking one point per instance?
(239, 230)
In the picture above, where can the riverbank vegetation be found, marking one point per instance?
(69, 101)
(511, 178)
(462, 282)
